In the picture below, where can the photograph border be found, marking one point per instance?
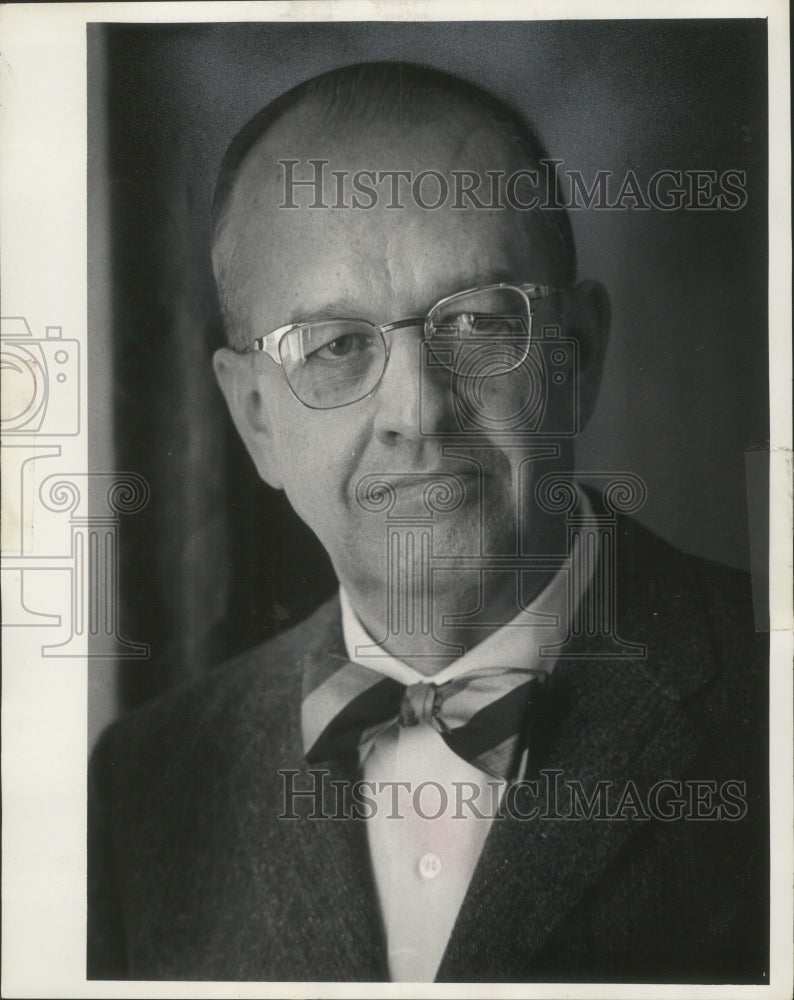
(46, 228)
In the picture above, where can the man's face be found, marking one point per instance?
(382, 265)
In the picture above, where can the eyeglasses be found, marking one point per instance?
(477, 333)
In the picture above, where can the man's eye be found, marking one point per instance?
(455, 325)
(342, 347)
(467, 324)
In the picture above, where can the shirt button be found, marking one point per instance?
(430, 866)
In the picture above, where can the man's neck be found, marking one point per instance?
(429, 631)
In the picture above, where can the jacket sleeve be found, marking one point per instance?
(106, 953)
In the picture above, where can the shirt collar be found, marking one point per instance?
(517, 643)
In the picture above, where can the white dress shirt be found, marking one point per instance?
(424, 849)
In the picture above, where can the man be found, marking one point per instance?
(526, 742)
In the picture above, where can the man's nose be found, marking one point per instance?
(411, 403)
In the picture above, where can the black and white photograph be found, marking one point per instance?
(412, 507)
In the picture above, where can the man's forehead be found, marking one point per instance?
(318, 270)
(346, 253)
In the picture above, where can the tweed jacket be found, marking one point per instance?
(193, 875)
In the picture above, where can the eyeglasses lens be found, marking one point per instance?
(481, 333)
(334, 363)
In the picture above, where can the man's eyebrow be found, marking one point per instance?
(490, 275)
(338, 309)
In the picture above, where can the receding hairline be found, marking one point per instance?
(379, 89)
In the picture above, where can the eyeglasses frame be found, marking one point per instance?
(270, 343)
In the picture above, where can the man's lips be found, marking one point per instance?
(399, 477)
(404, 475)
(441, 489)
(444, 487)
(412, 482)
(420, 479)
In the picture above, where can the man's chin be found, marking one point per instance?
(417, 545)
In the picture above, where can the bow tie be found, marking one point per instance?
(481, 715)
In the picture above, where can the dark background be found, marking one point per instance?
(217, 561)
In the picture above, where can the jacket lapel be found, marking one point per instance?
(331, 927)
(623, 721)
(335, 922)
(290, 896)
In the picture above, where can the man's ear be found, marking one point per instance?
(241, 386)
(588, 315)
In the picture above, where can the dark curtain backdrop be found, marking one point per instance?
(217, 561)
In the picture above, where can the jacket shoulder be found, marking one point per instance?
(217, 715)
(651, 570)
